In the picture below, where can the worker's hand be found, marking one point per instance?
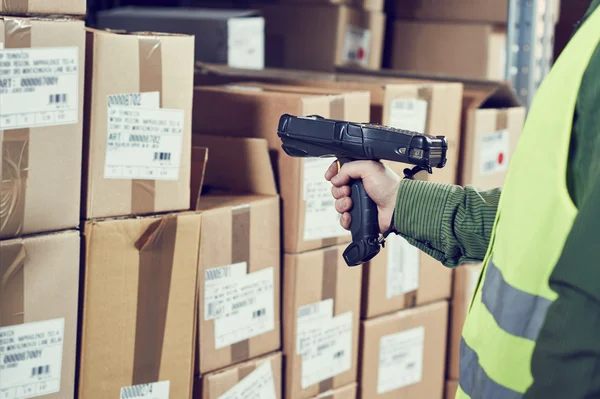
(380, 182)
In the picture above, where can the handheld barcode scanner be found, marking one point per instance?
(315, 136)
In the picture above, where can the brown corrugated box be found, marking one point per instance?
(140, 303)
(32, 306)
(321, 309)
(40, 188)
(337, 35)
(404, 353)
(400, 277)
(347, 392)
(127, 65)
(461, 50)
(466, 278)
(258, 108)
(43, 7)
(255, 378)
(451, 388)
(240, 234)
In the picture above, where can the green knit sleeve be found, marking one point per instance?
(453, 224)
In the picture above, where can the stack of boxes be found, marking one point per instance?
(41, 117)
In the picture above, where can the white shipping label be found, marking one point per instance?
(493, 153)
(321, 220)
(219, 282)
(143, 143)
(330, 351)
(400, 360)
(246, 43)
(249, 309)
(149, 99)
(39, 87)
(357, 46)
(259, 384)
(31, 359)
(156, 390)
(408, 114)
(310, 319)
(403, 262)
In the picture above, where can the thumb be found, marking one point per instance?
(352, 170)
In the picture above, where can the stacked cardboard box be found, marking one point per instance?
(41, 106)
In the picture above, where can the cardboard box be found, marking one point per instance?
(40, 189)
(260, 377)
(347, 392)
(460, 50)
(257, 111)
(140, 303)
(451, 388)
(43, 7)
(337, 35)
(321, 304)
(32, 308)
(400, 277)
(132, 80)
(241, 33)
(492, 123)
(240, 256)
(466, 278)
(403, 354)
(368, 5)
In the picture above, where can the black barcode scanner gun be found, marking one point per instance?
(314, 136)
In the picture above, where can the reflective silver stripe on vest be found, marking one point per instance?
(474, 381)
(516, 312)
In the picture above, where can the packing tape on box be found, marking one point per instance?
(156, 249)
(245, 370)
(12, 284)
(15, 149)
(240, 252)
(331, 258)
(501, 119)
(426, 94)
(150, 69)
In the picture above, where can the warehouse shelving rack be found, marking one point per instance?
(530, 42)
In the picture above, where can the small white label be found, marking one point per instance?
(321, 220)
(403, 262)
(311, 318)
(259, 384)
(493, 154)
(246, 43)
(245, 305)
(156, 390)
(408, 114)
(31, 359)
(1, 45)
(219, 282)
(400, 360)
(329, 352)
(39, 87)
(149, 99)
(357, 46)
(143, 143)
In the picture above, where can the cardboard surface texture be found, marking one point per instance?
(239, 254)
(337, 35)
(466, 278)
(346, 392)
(309, 218)
(43, 7)
(40, 188)
(260, 377)
(461, 50)
(137, 135)
(451, 388)
(321, 304)
(241, 32)
(401, 277)
(403, 354)
(139, 305)
(31, 306)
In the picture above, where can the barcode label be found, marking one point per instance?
(259, 313)
(57, 98)
(357, 46)
(156, 390)
(217, 273)
(214, 310)
(162, 156)
(400, 359)
(494, 152)
(408, 114)
(40, 371)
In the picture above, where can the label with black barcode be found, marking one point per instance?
(143, 143)
(493, 152)
(408, 114)
(403, 266)
(155, 390)
(31, 359)
(400, 360)
(39, 87)
(357, 46)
